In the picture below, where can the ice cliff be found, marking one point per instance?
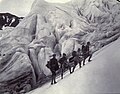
(54, 28)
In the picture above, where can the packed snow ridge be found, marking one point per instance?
(54, 28)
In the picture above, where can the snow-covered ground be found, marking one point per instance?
(99, 76)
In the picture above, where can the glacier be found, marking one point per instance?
(54, 28)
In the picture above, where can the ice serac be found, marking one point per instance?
(12, 71)
(59, 28)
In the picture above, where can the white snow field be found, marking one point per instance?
(101, 75)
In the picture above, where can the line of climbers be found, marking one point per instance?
(65, 63)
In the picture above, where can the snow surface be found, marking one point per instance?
(99, 76)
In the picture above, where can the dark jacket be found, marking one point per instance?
(71, 62)
(83, 49)
(87, 48)
(54, 64)
(62, 60)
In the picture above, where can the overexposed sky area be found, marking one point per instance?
(17, 7)
(58, 1)
(21, 7)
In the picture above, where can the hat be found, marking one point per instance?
(54, 55)
(78, 49)
(64, 54)
(88, 42)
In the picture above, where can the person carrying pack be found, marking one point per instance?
(80, 57)
(83, 53)
(53, 66)
(86, 52)
(73, 61)
(63, 64)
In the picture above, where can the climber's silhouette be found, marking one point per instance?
(53, 67)
(86, 52)
(79, 54)
(73, 61)
(63, 64)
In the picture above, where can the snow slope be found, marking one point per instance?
(99, 76)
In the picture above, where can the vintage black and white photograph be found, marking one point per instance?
(59, 46)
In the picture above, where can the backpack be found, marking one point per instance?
(61, 60)
(71, 62)
(48, 64)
